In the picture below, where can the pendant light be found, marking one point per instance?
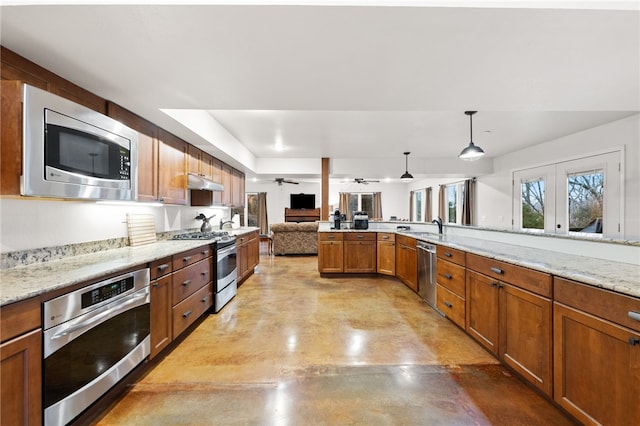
(406, 177)
(471, 152)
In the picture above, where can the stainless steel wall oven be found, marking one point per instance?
(93, 337)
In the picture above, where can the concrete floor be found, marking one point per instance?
(293, 348)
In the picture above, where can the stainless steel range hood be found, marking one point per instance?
(199, 182)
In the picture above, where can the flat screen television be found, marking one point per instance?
(303, 201)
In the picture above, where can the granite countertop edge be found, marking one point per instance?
(623, 278)
(24, 282)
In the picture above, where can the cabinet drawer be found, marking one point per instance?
(528, 279)
(330, 236)
(452, 305)
(20, 317)
(160, 267)
(386, 236)
(190, 257)
(406, 241)
(603, 303)
(451, 276)
(245, 238)
(187, 280)
(360, 236)
(451, 254)
(190, 309)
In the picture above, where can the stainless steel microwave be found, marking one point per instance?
(71, 151)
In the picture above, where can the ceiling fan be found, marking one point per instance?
(280, 181)
(365, 181)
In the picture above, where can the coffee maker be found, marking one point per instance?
(336, 219)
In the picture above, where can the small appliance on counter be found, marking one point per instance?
(335, 219)
(360, 220)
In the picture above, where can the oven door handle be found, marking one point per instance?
(90, 319)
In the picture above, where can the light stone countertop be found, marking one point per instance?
(620, 277)
(23, 282)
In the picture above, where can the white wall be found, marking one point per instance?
(395, 198)
(494, 204)
(35, 223)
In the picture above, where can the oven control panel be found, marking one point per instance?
(106, 292)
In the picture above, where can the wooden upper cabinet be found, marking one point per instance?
(226, 180)
(147, 150)
(194, 160)
(206, 165)
(172, 168)
(11, 137)
(237, 188)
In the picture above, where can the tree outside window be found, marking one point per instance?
(585, 192)
(533, 204)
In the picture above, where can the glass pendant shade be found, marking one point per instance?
(406, 177)
(472, 152)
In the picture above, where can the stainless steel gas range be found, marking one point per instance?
(226, 286)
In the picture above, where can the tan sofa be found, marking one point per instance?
(295, 238)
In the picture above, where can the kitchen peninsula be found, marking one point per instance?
(535, 310)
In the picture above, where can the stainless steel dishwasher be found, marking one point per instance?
(427, 272)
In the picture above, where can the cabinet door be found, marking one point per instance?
(206, 165)
(330, 256)
(227, 181)
(147, 150)
(254, 252)
(160, 314)
(193, 156)
(407, 266)
(238, 188)
(216, 170)
(242, 260)
(172, 169)
(525, 335)
(360, 256)
(597, 368)
(21, 372)
(386, 258)
(482, 310)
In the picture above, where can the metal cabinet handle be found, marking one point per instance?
(186, 314)
(446, 253)
(163, 267)
(386, 237)
(331, 236)
(448, 276)
(497, 270)
(360, 236)
(633, 341)
(155, 284)
(204, 273)
(634, 315)
(494, 284)
(186, 283)
(205, 253)
(186, 259)
(205, 300)
(448, 304)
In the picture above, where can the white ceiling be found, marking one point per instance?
(355, 83)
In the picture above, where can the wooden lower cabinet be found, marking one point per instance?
(160, 300)
(526, 336)
(360, 252)
(248, 254)
(386, 254)
(482, 310)
(190, 309)
(514, 325)
(330, 252)
(596, 354)
(21, 373)
(407, 261)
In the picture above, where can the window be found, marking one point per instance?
(252, 209)
(578, 196)
(419, 206)
(454, 194)
(361, 202)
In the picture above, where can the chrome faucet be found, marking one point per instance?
(438, 222)
(223, 222)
